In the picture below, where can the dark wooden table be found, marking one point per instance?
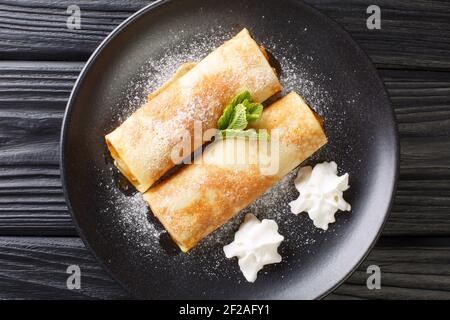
(40, 59)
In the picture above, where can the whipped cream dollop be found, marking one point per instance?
(255, 245)
(321, 193)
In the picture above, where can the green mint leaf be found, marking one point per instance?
(254, 111)
(238, 114)
(240, 97)
(238, 119)
(225, 118)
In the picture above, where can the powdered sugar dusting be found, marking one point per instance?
(158, 70)
(131, 213)
(195, 97)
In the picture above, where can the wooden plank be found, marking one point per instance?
(409, 35)
(33, 96)
(414, 34)
(37, 29)
(35, 268)
(422, 106)
(411, 268)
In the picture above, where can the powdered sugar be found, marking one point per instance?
(158, 70)
(197, 96)
(131, 213)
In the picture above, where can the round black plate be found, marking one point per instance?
(317, 59)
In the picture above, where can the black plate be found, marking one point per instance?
(318, 60)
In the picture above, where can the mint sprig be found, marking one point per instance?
(228, 112)
(238, 114)
(238, 120)
(254, 111)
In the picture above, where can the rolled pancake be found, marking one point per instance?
(142, 145)
(202, 196)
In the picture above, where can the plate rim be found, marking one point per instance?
(114, 33)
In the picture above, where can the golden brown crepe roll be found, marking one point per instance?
(142, 145)
(203, 196)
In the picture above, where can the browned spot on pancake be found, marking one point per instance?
(232, 192)
(203, 101)
(163, 105)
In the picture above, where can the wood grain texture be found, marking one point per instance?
(410, 34)
(412, 51)
(33, 96)
(414, 33)
(35, 268)
(422, 106)
(37, 29)
(411, 268)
